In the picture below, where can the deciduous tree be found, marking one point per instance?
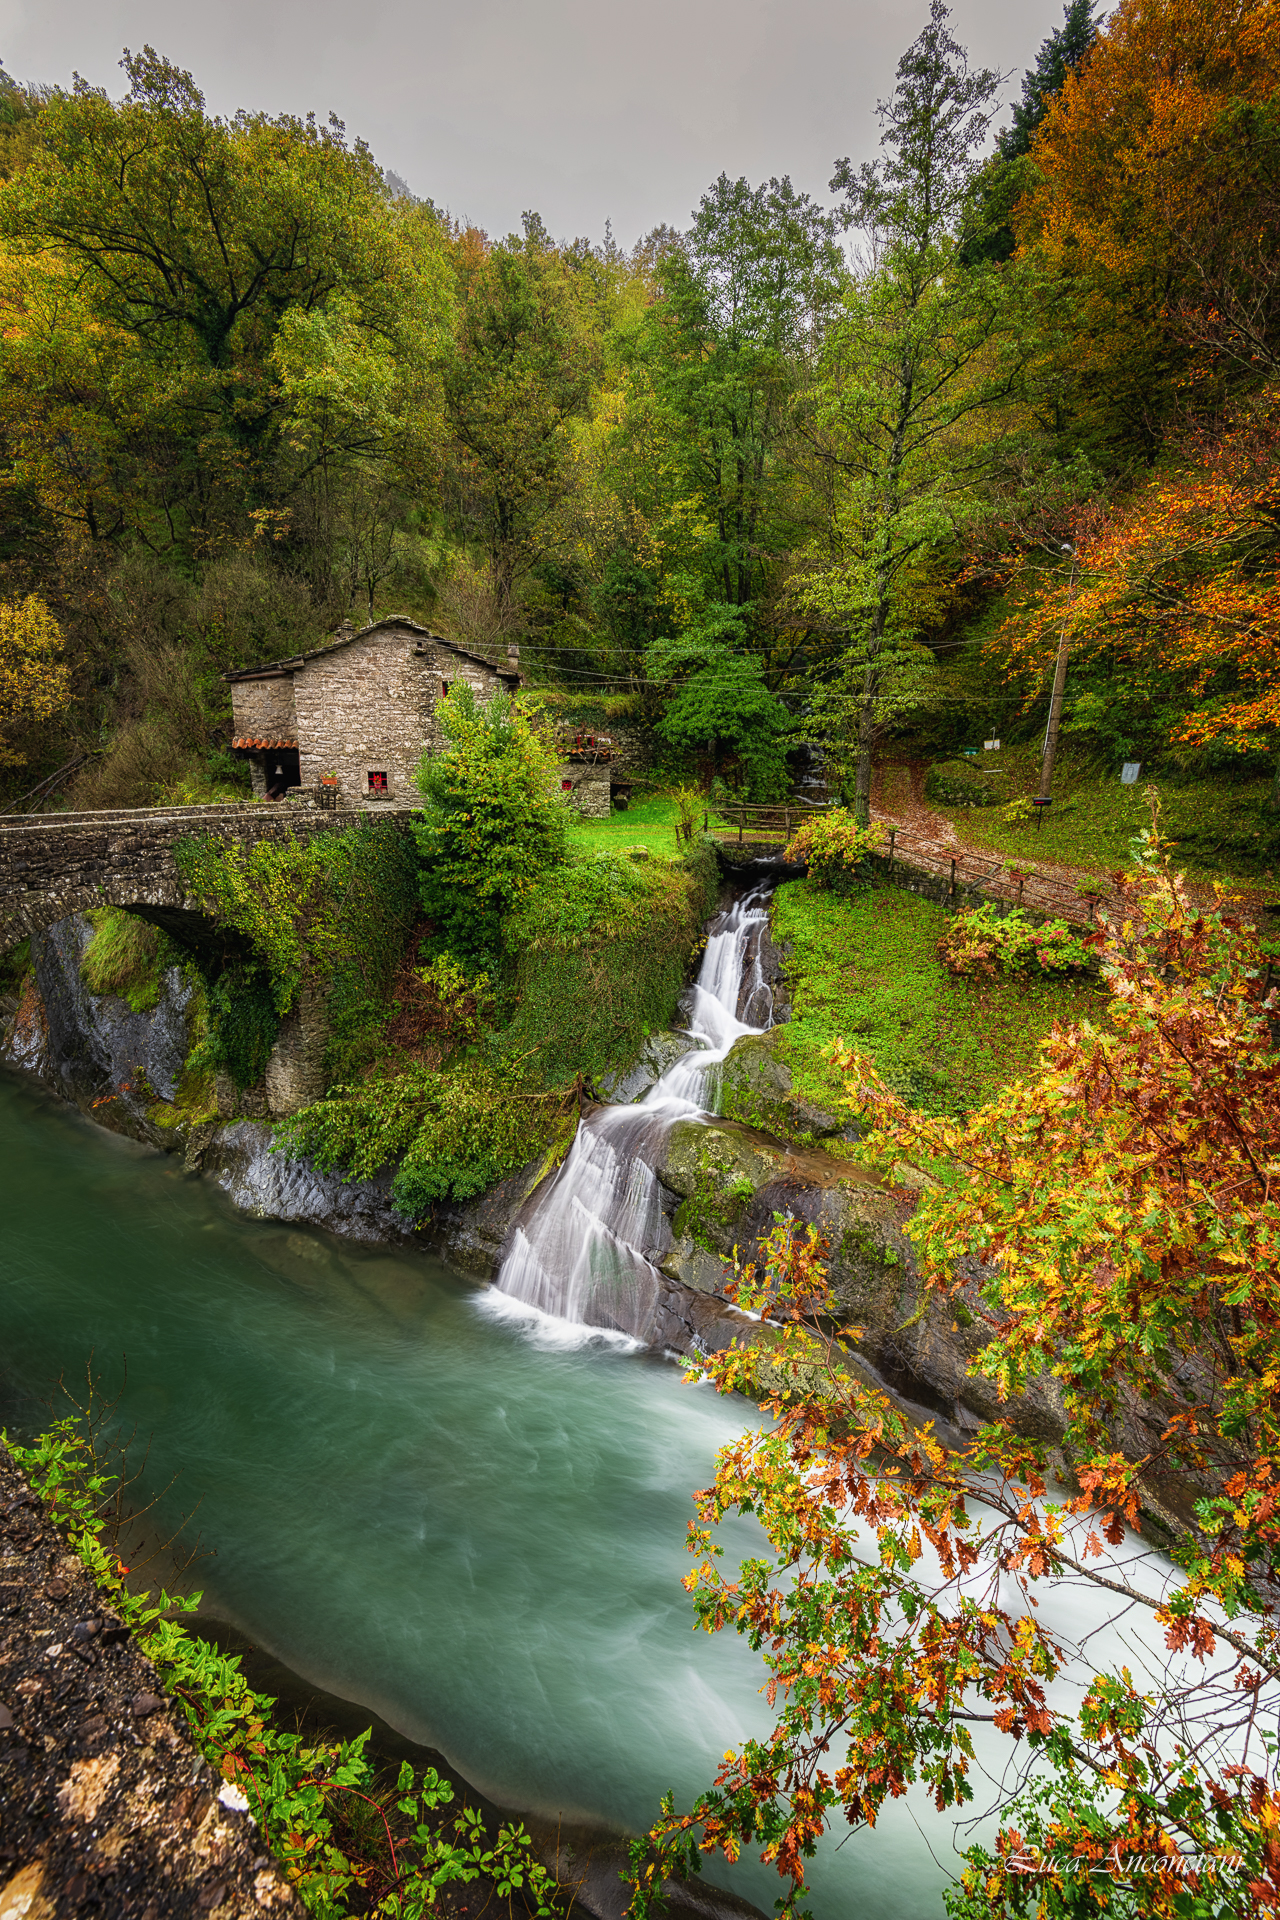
(34, 683)
(1123, 1206)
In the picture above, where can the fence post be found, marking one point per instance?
(1021, 881)
(953, 880)
(742, 814)
(893, 834)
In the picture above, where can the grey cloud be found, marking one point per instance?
(584, 109)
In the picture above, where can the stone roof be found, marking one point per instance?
(285, 669)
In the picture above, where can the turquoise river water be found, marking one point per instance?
(423, 1504)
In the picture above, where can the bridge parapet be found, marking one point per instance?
(52, 865)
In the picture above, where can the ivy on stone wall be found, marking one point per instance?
(595, 959)
(335, 908)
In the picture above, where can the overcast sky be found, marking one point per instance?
(586, 110)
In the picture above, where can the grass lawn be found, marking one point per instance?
(647, 823)
(1224, 830)
(866, 970)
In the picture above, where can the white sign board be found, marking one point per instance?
(1129, 772)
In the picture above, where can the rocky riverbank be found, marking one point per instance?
(107, 1805)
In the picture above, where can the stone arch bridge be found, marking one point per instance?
(55, 865)
(52, 865)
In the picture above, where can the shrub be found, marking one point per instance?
(492, 823)
(984, 939)
(835, 850)
(453, 1134)
(955, 783)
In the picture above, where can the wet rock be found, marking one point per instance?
(112, 1063)
(275, 1187)
(756, 1086)
(473, 1234)
(660, 1051)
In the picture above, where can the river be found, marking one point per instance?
(415, 1502)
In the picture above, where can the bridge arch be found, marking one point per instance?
(57, 865)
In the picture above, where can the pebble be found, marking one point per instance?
(145, 1703)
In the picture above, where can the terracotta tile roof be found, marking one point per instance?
(263, 746)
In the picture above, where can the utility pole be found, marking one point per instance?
(1059, 687)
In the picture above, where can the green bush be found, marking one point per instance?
(985, 939)
(836, 850)
(601, 953)
(124, 957)
(454, 1134)
(957, 783)
(492, 823)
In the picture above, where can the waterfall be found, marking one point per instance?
(584, 1252)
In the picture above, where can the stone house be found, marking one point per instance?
(363, 708)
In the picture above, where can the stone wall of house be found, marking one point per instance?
(585, 788)
(632, 751)
(263, 709)
(370, 707)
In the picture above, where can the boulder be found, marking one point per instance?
(756, 1087)
(660, 1051)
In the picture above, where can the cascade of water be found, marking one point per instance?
(583, 1252)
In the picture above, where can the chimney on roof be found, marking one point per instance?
(513, 653)
(344, 631)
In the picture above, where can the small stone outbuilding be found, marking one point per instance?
(359, 714)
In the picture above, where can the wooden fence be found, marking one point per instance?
(963, 869)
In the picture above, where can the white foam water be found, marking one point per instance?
(584, 1253)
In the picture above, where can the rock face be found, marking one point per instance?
(729, 1181)
(110, 1062)
(660, 1051)
(756, 1088)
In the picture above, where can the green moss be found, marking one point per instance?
(866, 970)
(13, 967)
(124, 957)
(602, 955)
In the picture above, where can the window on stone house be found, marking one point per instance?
(566, 786)
(444, 689)
(377, 783)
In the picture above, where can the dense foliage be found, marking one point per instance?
(836, 850)
(329, 912)
(987, 938)
(1122, 1203)
(762, 486)
(492, 824)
